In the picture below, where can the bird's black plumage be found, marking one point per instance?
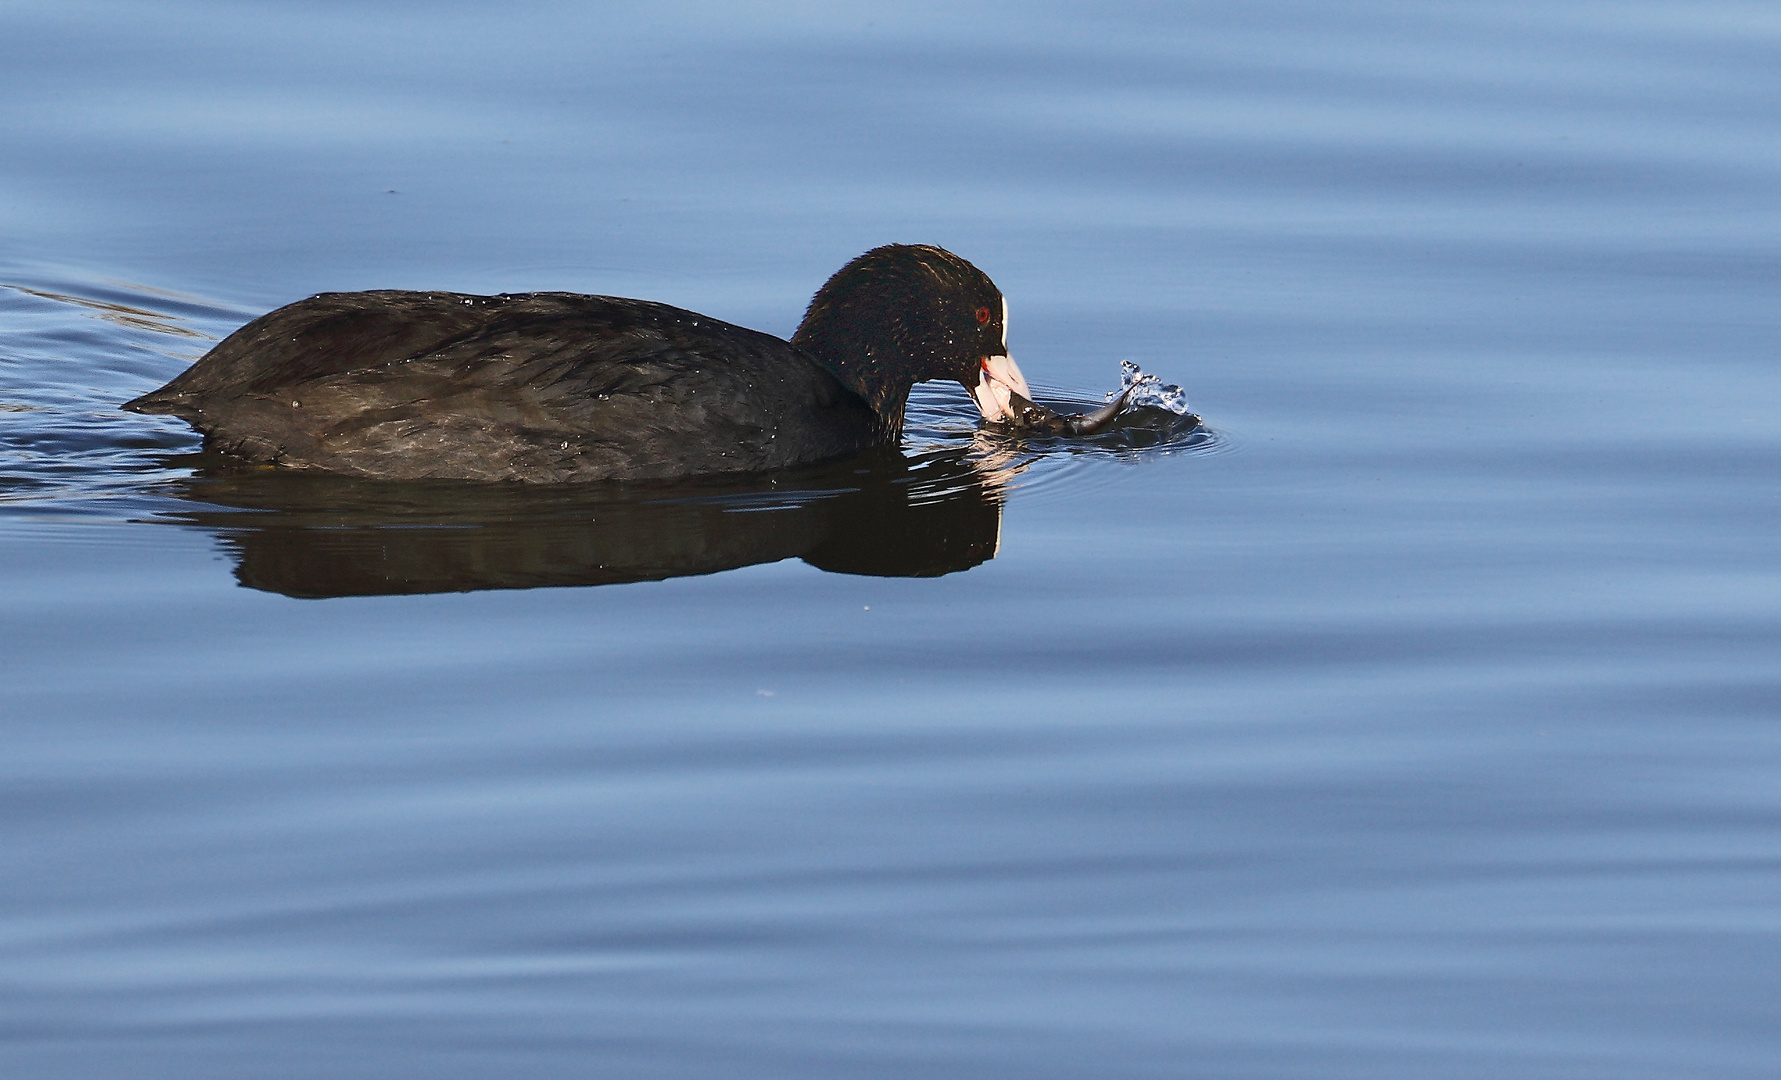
(560, 387)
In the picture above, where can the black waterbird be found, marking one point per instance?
(561, 387)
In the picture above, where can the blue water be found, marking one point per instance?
(1420, 718)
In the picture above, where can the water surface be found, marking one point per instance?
(1420, 720)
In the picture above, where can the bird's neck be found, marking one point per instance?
(878, 373)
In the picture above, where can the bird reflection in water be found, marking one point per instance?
(312, 534)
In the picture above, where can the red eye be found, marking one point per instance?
(983, 314)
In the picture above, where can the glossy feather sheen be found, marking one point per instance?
(554, 387)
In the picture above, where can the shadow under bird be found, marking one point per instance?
(561, 387)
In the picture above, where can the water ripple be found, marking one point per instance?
(940, 418)
(72, 352)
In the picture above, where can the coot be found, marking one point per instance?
(560, 387)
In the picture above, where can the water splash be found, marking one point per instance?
(1148, 391)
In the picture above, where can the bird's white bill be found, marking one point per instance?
(997, 381)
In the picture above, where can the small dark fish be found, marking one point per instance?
(1032, 416)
